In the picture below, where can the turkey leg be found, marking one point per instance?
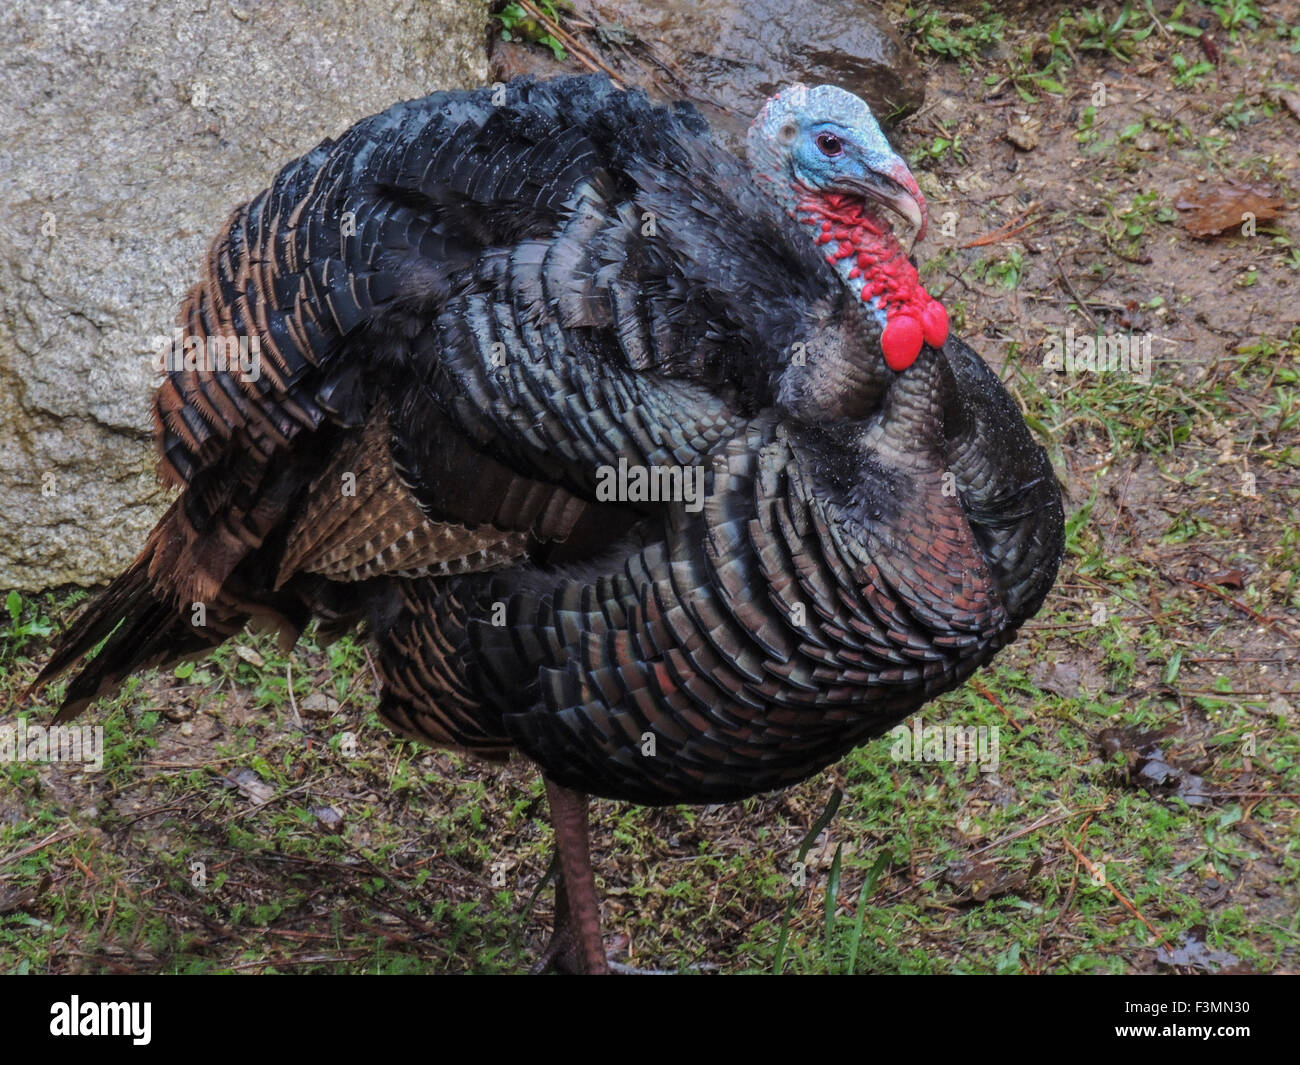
(576, 945)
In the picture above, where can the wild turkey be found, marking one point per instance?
(470, 308)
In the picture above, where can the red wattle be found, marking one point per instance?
(901, 342)
(857, 239)
(934, 321)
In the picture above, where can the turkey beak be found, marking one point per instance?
(895, 189)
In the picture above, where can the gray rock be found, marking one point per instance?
(128, 131)
(736, 53)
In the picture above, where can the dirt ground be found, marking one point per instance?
(253, 815)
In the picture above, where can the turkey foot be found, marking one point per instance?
(565, 952)
(576, 945)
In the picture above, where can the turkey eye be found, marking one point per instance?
(829, 144)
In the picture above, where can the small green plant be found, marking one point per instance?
(1029, 82)
(1005, 272)
(1098, 33)
(1085, 131)
(831, 902)
(25, 624)
(827, 815)
(954, 36)
(1243, 111)
(1186, 72)
(1290, 34)
(1173, 21)
(940, 150)
(1234, 15)
(517, 23)
(1145, 212)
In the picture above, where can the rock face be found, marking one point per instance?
(736, 53)
(128, 131)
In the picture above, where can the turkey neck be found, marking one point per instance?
(944, 448)
(904, 436)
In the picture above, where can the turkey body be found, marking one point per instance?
(469, 309)
(836, 579)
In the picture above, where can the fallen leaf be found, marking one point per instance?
(1147, 766)
(1024, 133)
(1194, 954)
(24, 899)
(178, 713)
(329, 818)
(1232, 578)
(1069, 679)
(251, 785)
(981, 881)
(1214, 207)
(318, 704)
